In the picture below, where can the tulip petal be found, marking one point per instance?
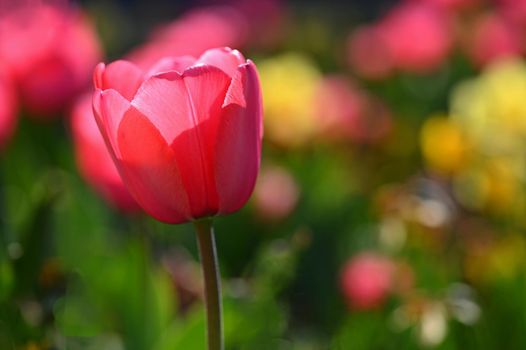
(186, 110)
(122, 76)
(109, 107)
(149, 169)
(163, 99)
(225, 59)
(97, 75)
(236, 93)
(238, 145)
(206, 86)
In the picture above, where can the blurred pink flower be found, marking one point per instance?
(266, 21)
(347, 112)
(492, 38)
(8, 109)
(367, 280)
(452, 5)
(276, 193)
(417, 36)
(93, 158)
(339, 104)
(513, 10)
(192, 34)
(368, 54)
(51, 49)
(375, 124)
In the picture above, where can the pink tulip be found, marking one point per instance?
(367, 280)
(417, 36)
(185, 136)
(493, 38)
(192, 34)
(93, 159)
(8, 109)
(51, 50)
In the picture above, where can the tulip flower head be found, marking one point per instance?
(186, 135)
(93, 159)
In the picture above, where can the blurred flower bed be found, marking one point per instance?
(389, 212)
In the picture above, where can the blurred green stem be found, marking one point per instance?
(212, 277)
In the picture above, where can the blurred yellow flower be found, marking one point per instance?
(289, 83)
(500, 260)
(493, 185)
(443, 145)
(492, 108)
(504, 185)
(491, 112)
(471, 188)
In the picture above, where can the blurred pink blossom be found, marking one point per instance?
(513, 10)
(93, 158)
(492, 38)
(414, 37)
(367, 53)
(418, 36)
(192, 34)
(276, 193)
(8, 109)
(266, 21)
(367, 281)
(50, 49)
(375, 124)
(453, 5)
(346, 111)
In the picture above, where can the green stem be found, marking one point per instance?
(212, 277)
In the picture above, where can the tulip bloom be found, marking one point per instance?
(93, 159)
(8, 107)
(50, 49)
(185, 136)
